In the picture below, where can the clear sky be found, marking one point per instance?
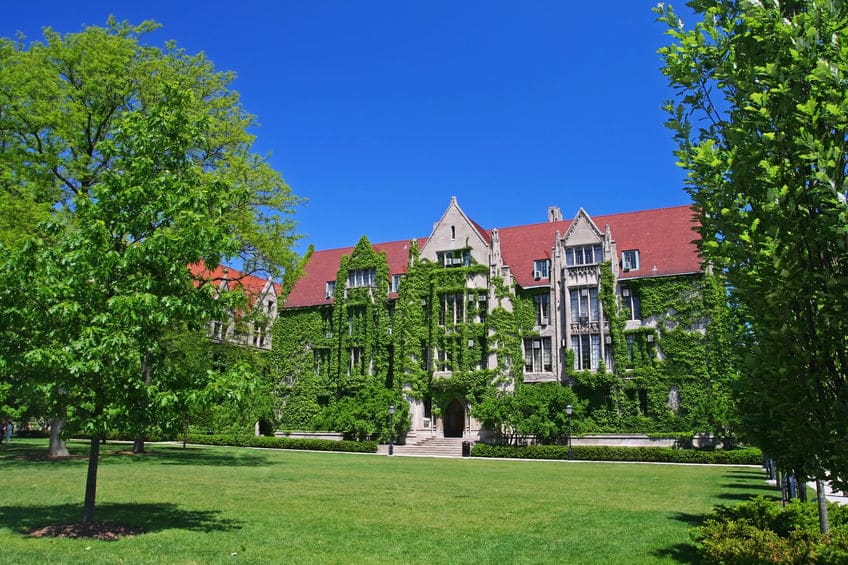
(378, 111)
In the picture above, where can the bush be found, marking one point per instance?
(747, 456)
(285, 443)
(763, 531)
(366, 416)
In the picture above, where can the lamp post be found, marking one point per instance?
(569, 411)
(391, 429)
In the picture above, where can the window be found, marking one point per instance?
(362, 277)
(631, 304)
(484, 355)
(543, 308)
(357, 360)
(444, 360)
(542, 269)
(322, 361)
(395, 283)
(587, 351)
(482, 308)
(454, 258)
(453, 232)
(356, 320)
(330, 289)
(585, 306)
(537, 355)
(327, 322)
(584, 255)
(630, 342)
(630, 260)
(258, 334)
(451, 309)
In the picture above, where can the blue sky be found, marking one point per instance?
(379, 111)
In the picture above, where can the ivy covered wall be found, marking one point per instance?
(671, 373)
(456, 333)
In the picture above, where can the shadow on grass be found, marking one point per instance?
(754, 474)
(745, 491)
(150, 517)
(735, 497)
(749, 486)
(194, 455)
(682, 552)
(691, 519)
(25, 455)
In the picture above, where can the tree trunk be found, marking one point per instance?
(821, 494)
(138, 443)
(91, 481)
(57, 446)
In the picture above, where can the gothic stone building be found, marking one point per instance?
(251, 325)
(439, 317)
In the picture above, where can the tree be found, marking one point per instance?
(537, 410)
(146, 154)
(761, 116)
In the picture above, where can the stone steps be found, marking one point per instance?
(432, 447)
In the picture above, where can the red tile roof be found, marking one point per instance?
(231, 278)
(664, 238)
(323, 266)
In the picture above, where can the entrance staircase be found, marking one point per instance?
(432, 447)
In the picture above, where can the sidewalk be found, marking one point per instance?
(832, 495)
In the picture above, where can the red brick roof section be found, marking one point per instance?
(323, 266)
(484, 233)
(252, 285)
(664, 238)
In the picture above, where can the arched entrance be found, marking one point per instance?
(455, 419)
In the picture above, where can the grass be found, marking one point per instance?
(217, 505)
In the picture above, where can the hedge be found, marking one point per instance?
(284, 443)
(746, 456)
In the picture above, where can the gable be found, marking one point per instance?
(455, 230)
(583, 231)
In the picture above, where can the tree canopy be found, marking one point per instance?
(761, 117)
(141, 161)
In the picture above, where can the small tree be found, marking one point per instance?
(761, 117)
(146, 155)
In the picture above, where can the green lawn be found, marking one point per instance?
(216, 505)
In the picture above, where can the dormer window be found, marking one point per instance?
(584, 255)
(395, 283)
(630, 260)
(329, 289)
(542, 269)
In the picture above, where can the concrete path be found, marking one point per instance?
(832, 495)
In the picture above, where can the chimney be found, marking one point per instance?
(554, 214)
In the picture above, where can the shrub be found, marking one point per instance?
(763, 531)
(740, 542)
(747, 456)
(834, 547)
(285, 443)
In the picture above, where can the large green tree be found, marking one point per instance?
(143, 158)
(761, 116)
